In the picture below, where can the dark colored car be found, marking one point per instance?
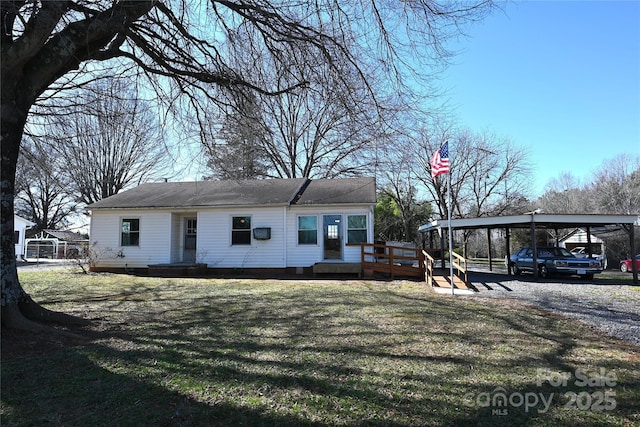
(552, 260)
(626, 266)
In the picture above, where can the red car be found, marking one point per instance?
(625, 264)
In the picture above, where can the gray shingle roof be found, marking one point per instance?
(268, 192)
(339, 191)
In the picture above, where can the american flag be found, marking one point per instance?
(440, 160)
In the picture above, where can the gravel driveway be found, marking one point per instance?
(612, 308)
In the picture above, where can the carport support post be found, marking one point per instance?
(534, 247)
(508, 260)
(632, 246)
(489, 245)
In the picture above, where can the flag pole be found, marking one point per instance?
(450, 232)
(439, 165)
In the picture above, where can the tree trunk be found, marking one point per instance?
(17, 306)
(12, 125)
(30, 64)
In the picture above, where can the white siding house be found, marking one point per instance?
(20, 226)
(248, 224)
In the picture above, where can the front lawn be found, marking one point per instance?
(318, 352)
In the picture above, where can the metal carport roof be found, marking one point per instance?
(540, 220)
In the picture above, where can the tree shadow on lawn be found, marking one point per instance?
(346, 357)
(98, 385)
(71, 389)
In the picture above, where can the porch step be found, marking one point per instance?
(337, 268)
(177, 270)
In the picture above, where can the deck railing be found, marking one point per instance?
(460, 266)
(392, 260)
(429, 262)
(404, 261)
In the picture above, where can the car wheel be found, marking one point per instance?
(623, 267)
(516, 270)
(543, 272)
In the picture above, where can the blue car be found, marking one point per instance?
(553, 260)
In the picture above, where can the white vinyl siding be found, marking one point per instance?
(215, 239)
(20, 226)
(154, 244)
(161, 237)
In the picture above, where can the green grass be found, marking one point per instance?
(323, 353)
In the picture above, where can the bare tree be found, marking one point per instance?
(401, 208)
(115, 141)
(47, 47)
(43, 191)
(564, 195)
(614, 188)
(489, 175)
(326, 129)
(616, 185)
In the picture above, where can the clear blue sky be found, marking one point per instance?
(559, 77)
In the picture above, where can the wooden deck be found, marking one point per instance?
(413, 262)
(391, 260)
(443, 280)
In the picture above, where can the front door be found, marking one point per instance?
(190, 228)
(332, 237)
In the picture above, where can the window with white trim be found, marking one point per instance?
(241, 230)
(356, 229)
(308, 230)
(130, 234)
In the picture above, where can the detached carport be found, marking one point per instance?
(533, 221)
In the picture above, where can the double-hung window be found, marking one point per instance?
(308, 230)
(130, 234)
(241, 230)
(356, 229)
